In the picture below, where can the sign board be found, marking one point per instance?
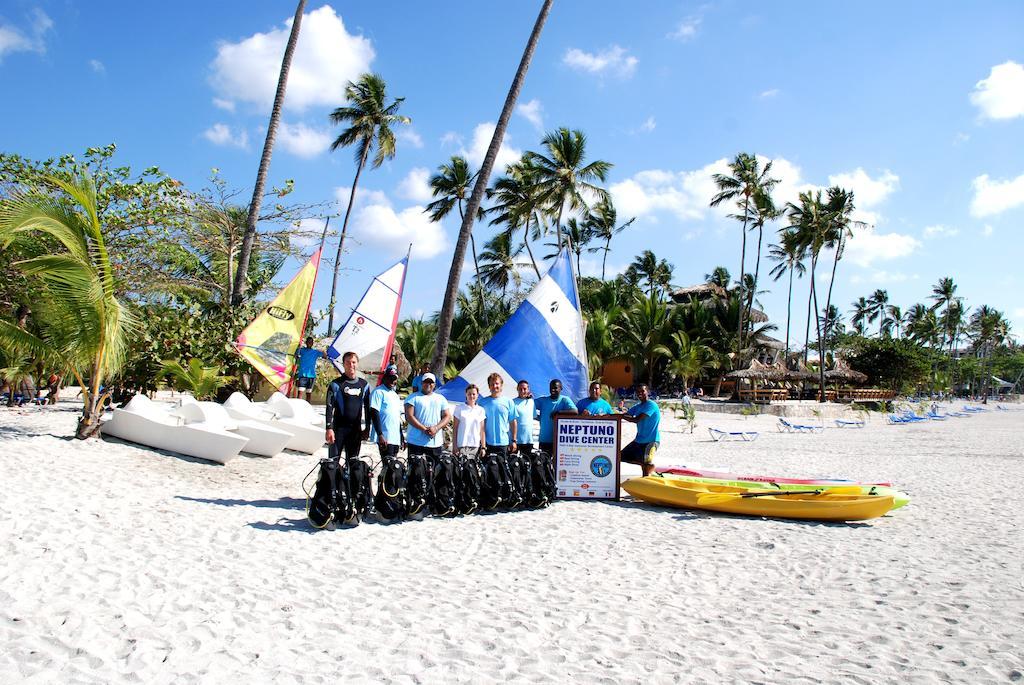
(587, 457)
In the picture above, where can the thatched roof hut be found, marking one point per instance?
(701, 291)
(842, 372)
(758, 372)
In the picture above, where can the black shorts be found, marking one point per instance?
(428, 451)
(388, 450)
(548, 447)
(497, 449)
(526, 448)
(304, 382)
(639, 452)
(347, 439)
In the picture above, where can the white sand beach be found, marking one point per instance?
(120, 564)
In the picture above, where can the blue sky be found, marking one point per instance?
(918, 107)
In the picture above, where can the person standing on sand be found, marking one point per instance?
(525, 411)
(501, 418)
(647, 417)
(593, 404)
(470, 419)
(427, 414)
(417, 380)
(348, 407)
(386, 415)
(547, 407)
(305, 375)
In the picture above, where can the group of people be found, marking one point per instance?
(495, 423)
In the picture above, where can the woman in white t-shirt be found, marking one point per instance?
(469, 425)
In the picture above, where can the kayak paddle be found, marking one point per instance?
(721, 497)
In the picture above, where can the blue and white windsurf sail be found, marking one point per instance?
(541, 341)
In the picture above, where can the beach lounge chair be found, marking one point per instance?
(849, 423)
(974, 410)
(144, 422)
(264, 440)
(912, 417)
(892, 418)
(291, 415)
(935, 416)
(785, 426)
(745, 436)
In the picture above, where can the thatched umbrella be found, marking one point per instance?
(795, 375)
(757, 372)
(842, 372)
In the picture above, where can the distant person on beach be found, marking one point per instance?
(525, 409)
(593, 404)
(417, 380)
(348, 409)
(647, 417)
(500, 428)
(547, 407)
(305, 375)
(427, 413)
(53, 386)
(386, 415)
(469, 419)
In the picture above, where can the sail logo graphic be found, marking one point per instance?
(280, 313)
(600, 466)
(360, 320)
(554, 307)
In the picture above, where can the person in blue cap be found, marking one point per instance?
(547, 407)
(305, 375)
(647, 417)
(593, 404)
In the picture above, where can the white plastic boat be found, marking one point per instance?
(264, 440)
(294, 416)
(144, 422)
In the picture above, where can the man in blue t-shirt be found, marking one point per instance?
(500, 426)
(417, 380)
(547, 407)
(427, 414)
(385, 415)
(647, 417)
(305, 373)
(525, 410)
(593, 404)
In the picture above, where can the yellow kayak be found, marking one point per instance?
(817, 505)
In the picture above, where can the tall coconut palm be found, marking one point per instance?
(86, 325)
(601, 221)
(447, 315)
(764, 211)
(577, 235)
(239, 285)
(370, 118)
(648, 268)
(644, 331)
(747, 180)
(451, 186)
(861, 310)
(500, 267)
(601, 339)
(944, 296)
(564, 180)
(895, 314)
(719, 276)
(878, 302)
(416, 337)
(515, 203)
(691, 358)
(839, 210)
(789, 258)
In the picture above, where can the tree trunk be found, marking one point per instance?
(807, 327)
(789, 311)
(526, 241)
(604, 260)
(835, 263)
(341, 241)
(444, 325)
(476, 266)
(240, 285)
(743, 258)
(821, 339)
(558, 224)
(757, 272)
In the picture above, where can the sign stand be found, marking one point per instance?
(587, 456)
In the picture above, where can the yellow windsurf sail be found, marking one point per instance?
(270, 341)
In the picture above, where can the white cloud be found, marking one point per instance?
(326, 58)
(451, 138)
(613, 60)
(770, 93)
(994, 196)
(416, 185)
(222, 134)
(961, 138)
(589, 266)
(987, 231)
(303, 141)
(938, 230)
(97, 66)
(224, 104)
(482, 135)
(867, 192)
(364, 197)
(687, 29)
(881, 277)
(408, 134)
(649, 125)
(31, 38)
(1001, 95)
(378, 225)
(868, 246)
(310, 231)
(532, 111)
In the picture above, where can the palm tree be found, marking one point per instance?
(643, 332)
(719, 276)
(764, 211)
(563, 178)
(516, 202)
(895, 315)
(86, 324)
(416, 338)
(500, 266)
(989, 329)
(839, 209)
(369, 117)
(690, 358)
(601, 222)
(578, 235)
(447, 315)
(861, 310)
(202, 381)
(450, 185)
(239, 286)
(878, 302)
(789, 258)
(601, 340)
(747, 181)
(647, 267)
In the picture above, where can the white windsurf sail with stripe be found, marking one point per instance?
(370, 329)
(541, 341)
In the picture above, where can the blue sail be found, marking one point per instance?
(541, 341)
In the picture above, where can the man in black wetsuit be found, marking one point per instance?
(348, 409)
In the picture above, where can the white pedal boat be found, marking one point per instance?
(144, 422)
(264, 440)
(292, 415)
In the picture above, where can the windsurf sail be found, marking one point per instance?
(270, 341)
(541, 341)
(370, 329)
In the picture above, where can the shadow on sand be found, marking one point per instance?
(693, 514)
(281, 503)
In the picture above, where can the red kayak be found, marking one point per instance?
(697, 473)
